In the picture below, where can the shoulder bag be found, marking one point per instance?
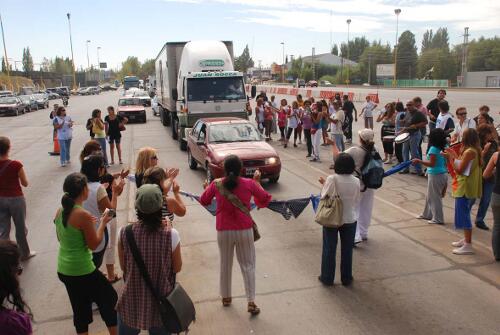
(176, 309)
(233, 199)
(330, 209)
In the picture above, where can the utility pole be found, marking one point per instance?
(348, 50)
(72, 57)
(98, 66)
(88, 59)
(313, 67)
(397, 12)
(464, 56)
(5, 53)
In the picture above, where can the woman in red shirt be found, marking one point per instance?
(12, 202)
(234, 227)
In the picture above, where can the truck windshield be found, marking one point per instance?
(233, 132)
(206, 89)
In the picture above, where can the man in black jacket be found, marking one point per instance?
(433, 108)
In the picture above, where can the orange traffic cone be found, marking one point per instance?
(56, 151)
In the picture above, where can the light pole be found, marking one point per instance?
(98, 66)
(72, 57)
(283, 64)
(348, 49)
(397, 11)
(88, 59)
(5, 53)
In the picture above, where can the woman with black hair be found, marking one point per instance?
(437, 177)
(15, 315)
(97, 201)
(347, 187)
(99, 130)
(234, 227)
(77, 236)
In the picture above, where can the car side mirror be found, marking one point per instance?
(253, 92)
(175, 94)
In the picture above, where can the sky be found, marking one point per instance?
(123, 28)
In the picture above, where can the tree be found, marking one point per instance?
(373, 55)
(244, 61)
(61, 65)
(356, 48)
(406, 62)
(437, 63)
(427, 40)
(130, 67)
(147, 68)
(484, 54)
(440, 40)
(4, 66)
(27, 61)
(335, 50)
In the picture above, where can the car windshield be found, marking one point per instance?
(129, 102)
(233, 132)
(7, 100)
(206, 89)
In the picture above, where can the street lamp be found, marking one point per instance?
(98, 66)
(88, 59)
(5, 52)
(348, 49)
(397, 11)
(283, 64)
(72, 57)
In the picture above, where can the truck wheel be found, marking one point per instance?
(166, 117)
(191, 161)
(175, 125)
(274, 180)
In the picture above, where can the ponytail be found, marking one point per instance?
(232, 167)
(73, 186)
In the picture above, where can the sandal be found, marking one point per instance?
(226, 302)
(253, 309)
(115, 279)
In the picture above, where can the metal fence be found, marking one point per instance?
(415, 83)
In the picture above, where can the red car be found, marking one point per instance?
(132, 109)
(212, 139)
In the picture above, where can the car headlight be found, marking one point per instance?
(272, 160)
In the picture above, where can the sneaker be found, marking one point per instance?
(465, 249)
(388, 161)
(458, 244)
(63, 164)
(314, 159)
(421, 217)
(435, 222)
(308, 156)
(358, 240)
(404, 172)
(482, 225)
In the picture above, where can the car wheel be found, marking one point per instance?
(174, 124)
(210, 177)
(182, 144)
(191, 161)
(144, 118)
(274, 180)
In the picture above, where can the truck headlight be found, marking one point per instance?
(272, 160)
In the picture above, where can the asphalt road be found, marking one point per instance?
(406, 278)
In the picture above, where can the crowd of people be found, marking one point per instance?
(86, 222)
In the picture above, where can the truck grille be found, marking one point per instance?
(252, 163)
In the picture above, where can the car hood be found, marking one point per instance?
(244, 150)
(130, 108)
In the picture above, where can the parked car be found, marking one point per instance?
(212, 139)
(42, 99)
(30, 102)
(63, 91)
(312, 83)
(94, 90)
(12, 105)
(6, 94)
(82, 90)
(108, 87)
(132, 108)
(325, 83)
(53, 96)
(144, 96)
(301, 83)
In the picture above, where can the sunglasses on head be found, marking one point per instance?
(461, 113)
(154, 157)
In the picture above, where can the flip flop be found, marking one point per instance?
(114, 280)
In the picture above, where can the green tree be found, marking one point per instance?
(335, 50)
(356, 48)
(373, 55)
(244, 61)
(406, 62)
(147, 68)
(27, 61)
(130, 67)
(437, 63)
(484, 54)
(61, 65)
(440, 40)
(427, 40)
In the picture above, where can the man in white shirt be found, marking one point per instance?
(336, 119)
(367, 112)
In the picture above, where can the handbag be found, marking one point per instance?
(236, 202)
(330, 209)
(176, 309)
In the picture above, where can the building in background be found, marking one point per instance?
(482, 79)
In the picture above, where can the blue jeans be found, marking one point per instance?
(339, 141)
(123, 329)
(64, 147)
(484, 203)
(413, 147)
(330, 237)
(102, 143)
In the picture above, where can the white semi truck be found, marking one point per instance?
(197, 80)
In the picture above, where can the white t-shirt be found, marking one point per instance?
(459, 129)
(348, 188)
(368, 109)
(293, 121)
(97, 192)
(336, 128)
(65, 132)
(442, 120)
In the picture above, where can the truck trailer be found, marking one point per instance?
(197, 80)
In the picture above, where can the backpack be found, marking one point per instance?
(372, 170)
